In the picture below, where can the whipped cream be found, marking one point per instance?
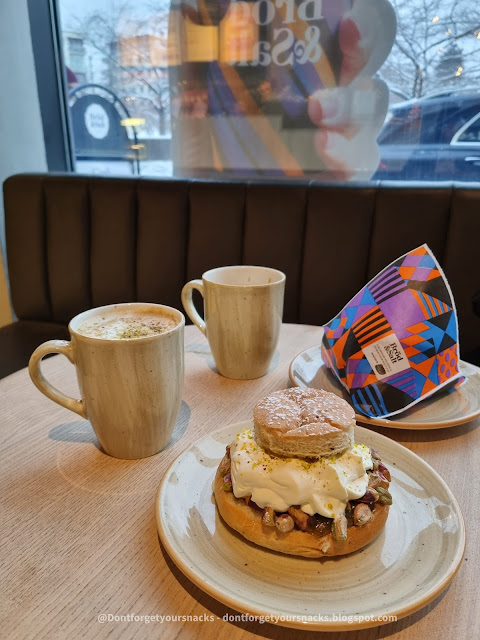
(323, 486)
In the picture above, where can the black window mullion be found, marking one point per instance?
(50, 72)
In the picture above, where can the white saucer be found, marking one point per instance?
(447, 409)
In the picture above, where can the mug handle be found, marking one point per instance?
(39, 380)
(188, 305)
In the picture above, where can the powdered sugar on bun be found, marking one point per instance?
(305, 423)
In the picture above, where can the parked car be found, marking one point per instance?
(435, 138)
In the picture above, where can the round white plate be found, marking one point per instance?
(406, 567)
(447, 409)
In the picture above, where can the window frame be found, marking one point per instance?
(464, 143)
(51, 84)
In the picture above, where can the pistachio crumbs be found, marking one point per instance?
(125, 327)
(321, 486)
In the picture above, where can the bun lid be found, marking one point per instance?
(305, 423)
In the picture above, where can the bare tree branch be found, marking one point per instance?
(425, 28)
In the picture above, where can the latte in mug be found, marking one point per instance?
(129, 360)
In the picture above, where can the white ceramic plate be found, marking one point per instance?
(443, 410)
(406, 567)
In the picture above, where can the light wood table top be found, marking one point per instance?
(79, 537)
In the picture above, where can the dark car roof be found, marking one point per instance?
(429, 120)
(434, 103)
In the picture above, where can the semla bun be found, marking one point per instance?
(304, 423)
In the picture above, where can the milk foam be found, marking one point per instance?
(323, 486)
(125, 325)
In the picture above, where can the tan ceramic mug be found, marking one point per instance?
(129, 360)
(243, 315)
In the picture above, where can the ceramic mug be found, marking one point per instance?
(243, 315)
(130, 378)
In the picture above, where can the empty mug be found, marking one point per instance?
(243, 307)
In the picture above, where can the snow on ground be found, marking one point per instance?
(154, 168)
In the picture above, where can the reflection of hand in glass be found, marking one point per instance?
(348, 120)
(350, 116)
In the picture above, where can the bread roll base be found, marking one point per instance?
(248, 522)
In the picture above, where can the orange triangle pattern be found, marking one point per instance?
(337, 350)
(428, 386)
(421, 251)
(409, 341)
(406, 272)
(371, 379)
(357, 356)
(423, 367)
(410, 351)
(418, 328)
(435, 273)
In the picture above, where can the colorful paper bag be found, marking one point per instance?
(396, 342)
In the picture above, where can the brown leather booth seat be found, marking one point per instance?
(75, 242)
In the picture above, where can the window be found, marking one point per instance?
(403, 127)
(470, 133)
(270, 88)
(76, 46)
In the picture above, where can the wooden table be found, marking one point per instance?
(78, 528)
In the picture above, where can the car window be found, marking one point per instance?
(471, 133)
(440, 121)
(452, 120)
(403, 127)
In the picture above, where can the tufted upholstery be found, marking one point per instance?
(75, 242)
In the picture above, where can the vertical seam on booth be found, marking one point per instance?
(373, 224)
(451, 204)
(298, 315)
(88, 234)
(188, 223)
(136, 251)
(244, 221)
(89, 241)
(46, 271)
